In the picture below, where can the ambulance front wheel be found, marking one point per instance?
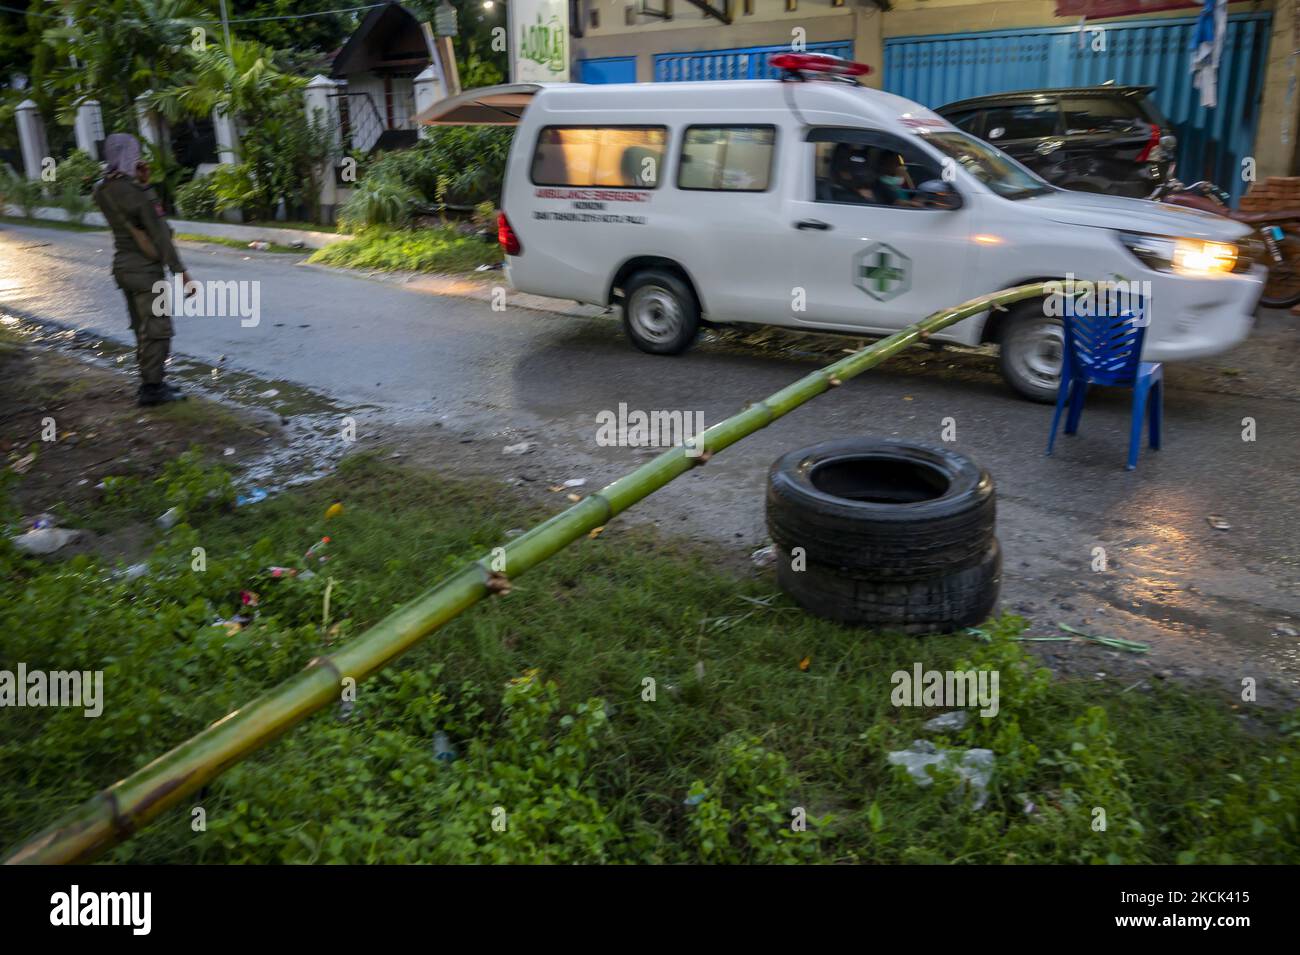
(1031, 350)
(660, 313)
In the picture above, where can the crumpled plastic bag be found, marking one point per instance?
(974, 766)
(45, 540)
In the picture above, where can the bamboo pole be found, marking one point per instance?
(115, 813)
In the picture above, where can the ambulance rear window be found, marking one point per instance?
(727, 158)
(627, 157)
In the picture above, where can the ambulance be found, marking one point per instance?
(812, 202)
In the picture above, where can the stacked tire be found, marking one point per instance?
(886, 534)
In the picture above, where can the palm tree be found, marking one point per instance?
(118, 49)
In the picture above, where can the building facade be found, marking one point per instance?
(938, 51)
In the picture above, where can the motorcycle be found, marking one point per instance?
(1278, 231)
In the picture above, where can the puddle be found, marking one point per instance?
(312, 427)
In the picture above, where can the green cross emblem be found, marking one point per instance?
(882, 271)
(882, 274)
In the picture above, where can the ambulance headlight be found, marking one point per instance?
(1184, 256)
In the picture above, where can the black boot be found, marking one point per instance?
(158, 395)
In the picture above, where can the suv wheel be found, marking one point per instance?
(1031, 351)
(660, 314)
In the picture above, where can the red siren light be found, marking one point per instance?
(796, 64)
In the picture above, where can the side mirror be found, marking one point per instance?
(937, 194)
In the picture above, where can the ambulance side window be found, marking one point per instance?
(869, 168)
(625, 157)
(727, 158)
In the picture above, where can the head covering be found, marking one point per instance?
(121, 153)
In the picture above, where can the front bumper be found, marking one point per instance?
(1198, 318)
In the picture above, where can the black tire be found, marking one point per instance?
(1031, 349)
(1282, 287)
(939, 604)
(660, 313)
(883, 508)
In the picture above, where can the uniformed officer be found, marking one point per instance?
(142, 247)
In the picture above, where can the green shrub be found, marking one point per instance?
(197, 199)
(234, 187)
(27, 194)
(421, 250)
(77, 171)
(378, 200)
(461, 165)
(75, 203)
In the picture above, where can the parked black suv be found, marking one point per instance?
(1109, 139)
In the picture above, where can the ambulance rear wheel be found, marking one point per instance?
(660, 314)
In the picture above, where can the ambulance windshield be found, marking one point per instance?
(989, 165)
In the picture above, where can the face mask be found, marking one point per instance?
(894, 181)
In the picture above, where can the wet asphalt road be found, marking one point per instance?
(450, 382)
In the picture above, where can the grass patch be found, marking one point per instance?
(52, 224)
(237, 243)
(421, 250)
(272, 224)
(540, 694)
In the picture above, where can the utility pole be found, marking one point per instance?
(225, 23)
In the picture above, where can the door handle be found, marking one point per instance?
(813, 224)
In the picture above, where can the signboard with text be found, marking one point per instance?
(539, 41)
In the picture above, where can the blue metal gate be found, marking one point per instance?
(934, 70)
(749, 63)
(608, 69)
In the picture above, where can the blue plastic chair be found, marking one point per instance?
(1107, 350)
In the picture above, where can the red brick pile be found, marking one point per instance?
(1275, 192)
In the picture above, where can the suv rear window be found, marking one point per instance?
(624, 156)
(1027, 121)
(1102, 114)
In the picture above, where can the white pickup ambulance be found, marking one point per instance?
(828, 206)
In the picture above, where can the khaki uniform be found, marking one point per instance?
(124, 200)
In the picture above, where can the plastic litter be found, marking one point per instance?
(45, 540)
(169, 518)
(315, 550)
(443, 751)
(974, 766)
(23, 464)
(334, 510)
(947, 722)
(252, 496)
(1217, 522)
(764, 556)
(1115, 643)
(259, 245)
(523, 447)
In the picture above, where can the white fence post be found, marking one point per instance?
(227, 137)
(31, 137)
(89, 127)
(429, 89)
(322, 106)
(148, 121)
